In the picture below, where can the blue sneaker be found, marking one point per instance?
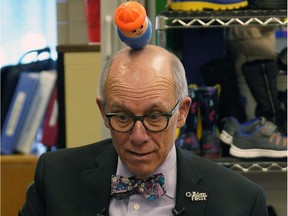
(255, 138)
(262, 142)
(232, 124)
(188, 5)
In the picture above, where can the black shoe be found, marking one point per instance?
(268, 4)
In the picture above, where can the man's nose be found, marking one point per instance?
(139, 134)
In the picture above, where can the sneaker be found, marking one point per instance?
(264, 141)
(188, 5)
(232, 124)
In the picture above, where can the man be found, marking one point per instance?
(143, 99)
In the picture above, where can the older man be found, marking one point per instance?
(142, 99)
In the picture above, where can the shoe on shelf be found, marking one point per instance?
(268, 4)
(200, 5)
(264, 141)
(210, 145)
(188, 142)
(232, 124)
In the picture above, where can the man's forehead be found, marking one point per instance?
(132, 83)
(152, 65)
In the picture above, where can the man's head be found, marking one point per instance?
(149, 81)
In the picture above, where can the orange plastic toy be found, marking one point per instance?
(133, 26)
(129, 16)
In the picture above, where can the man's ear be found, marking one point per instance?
(101, 109)
(184, 107)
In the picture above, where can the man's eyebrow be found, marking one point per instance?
(154, 106)
(158, 107)
(117, 105)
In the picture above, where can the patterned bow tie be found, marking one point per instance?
(152, 187)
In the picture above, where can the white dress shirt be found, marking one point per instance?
(137, 204)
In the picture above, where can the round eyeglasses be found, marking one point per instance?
(155, 122)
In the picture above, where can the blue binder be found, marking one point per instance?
(18, 109)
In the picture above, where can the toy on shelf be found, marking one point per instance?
(200, 5)
(133, 25)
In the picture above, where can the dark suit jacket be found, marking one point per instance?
(76, 181)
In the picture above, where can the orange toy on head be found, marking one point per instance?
(132, 23)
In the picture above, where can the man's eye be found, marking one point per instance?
(122, 118)
(133, 31)
(154, 117)
(141, 26)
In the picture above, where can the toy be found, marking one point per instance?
(200, 5)
(133, 25)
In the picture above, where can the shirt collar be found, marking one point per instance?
(168, 168)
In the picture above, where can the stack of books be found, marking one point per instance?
(33, 109)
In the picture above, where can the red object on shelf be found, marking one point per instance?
(92, 9)
(50, 125)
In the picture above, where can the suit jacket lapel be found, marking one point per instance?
(188, 179)
(96, 185)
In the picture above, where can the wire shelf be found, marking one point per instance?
(274, 166)
(192, 19)
(195, 19)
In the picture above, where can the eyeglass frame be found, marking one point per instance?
(140, 118)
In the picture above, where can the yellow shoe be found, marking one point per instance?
(188, 5)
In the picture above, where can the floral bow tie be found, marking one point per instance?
(151, 188)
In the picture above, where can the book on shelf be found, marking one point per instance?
(50, 123)
(36, 113)
(32, 61)
(18, 110)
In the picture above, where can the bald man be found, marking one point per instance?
(143, 99)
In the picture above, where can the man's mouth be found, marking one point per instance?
(137, 154)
